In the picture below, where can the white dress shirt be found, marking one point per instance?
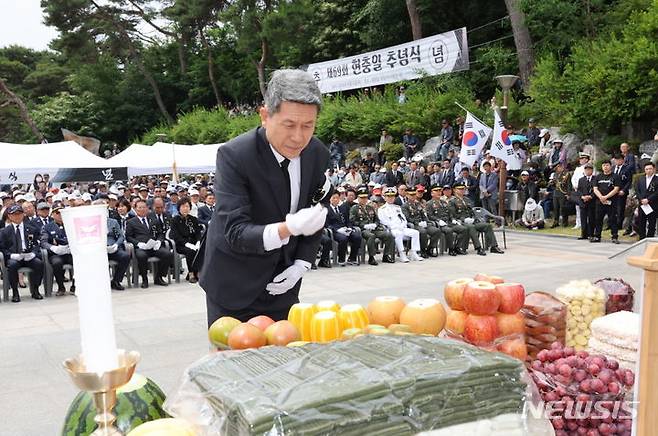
(271, 239)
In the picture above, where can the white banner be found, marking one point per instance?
(501, 146)
(475, 136)
(438, 54)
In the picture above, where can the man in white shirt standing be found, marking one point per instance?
(578, 172)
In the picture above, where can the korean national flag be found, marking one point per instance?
(475, 136)
(501, 145)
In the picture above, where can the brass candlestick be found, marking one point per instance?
(103, 386)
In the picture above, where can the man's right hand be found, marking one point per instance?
(644, 201)
(371, 226)
(306, 221)
(142, 245)
(15, 256)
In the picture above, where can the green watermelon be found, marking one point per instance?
(139, 401)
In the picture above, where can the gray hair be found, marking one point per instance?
(291, 85)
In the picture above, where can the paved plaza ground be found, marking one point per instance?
(168, 326)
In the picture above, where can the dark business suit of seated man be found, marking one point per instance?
(20, 248)
(265, 232)
(343, 233)
(139, 230)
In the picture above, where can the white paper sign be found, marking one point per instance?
(431, 56)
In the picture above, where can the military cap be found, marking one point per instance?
(583, 154)
(390, 191)
(447, 186)
(420, 188)
(362, 191)
(458, 185)
(57, 206)
(589, 165)
(411, 189)
(14, 208)
(143, 188)
(436, 187)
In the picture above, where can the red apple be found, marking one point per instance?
(480, 330)
(261, 321)
(510, 324)
(481, 298)
(455, 321)
(515, 348)
(282, 333)
(246, 336)
(454, 291)
(512, 297)
(481, 277)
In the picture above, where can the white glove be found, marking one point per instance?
(198, 245)
(455, 222)
(157, 244)
(111, 249)
(58, 249)
(28, 256)
(16, 256)
(66, 249)
(150, 244)
(371, 226)
(344, 231)
(422, 224)
(191, 246)
(287, 279)
(442, 223)
(469, 220)
(142, 245)
(306, 221)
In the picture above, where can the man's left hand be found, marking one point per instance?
(287, 279)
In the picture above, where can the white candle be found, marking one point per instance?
(86, 229)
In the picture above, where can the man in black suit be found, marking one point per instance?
(207, 210)
(446, 174)
(343, 232)
(265, 232)
(345, 206)
(161, 217)
(144, 233)
(42, 218)
(393, 176)
(586, 201)
(625, 174)
(646, 190)
(20, 247)
(471, 185)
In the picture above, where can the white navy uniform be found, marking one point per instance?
(392, 217)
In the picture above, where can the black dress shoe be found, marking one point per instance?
(324, 264)
(615, 241)
(37, 296)
(160, 282)
(582, 237)
(497, 250)
(481, 252)
(424, 254)
(72, 290)
(388, 259)
(627, 233)
(595, 239)
(452, 253)
(116, 286)
(352, 262)
(461, 251)
(145, 284)
(16, 298)
(192, 280)
(60, 292)
(372, 261)
(314, 266)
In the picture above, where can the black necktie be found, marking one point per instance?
(19, 240)
(161, 220)
(144, 222)
(286, 177)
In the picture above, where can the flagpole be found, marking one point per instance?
(502, 171)
(467, 111)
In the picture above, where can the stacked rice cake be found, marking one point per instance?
(617, 336)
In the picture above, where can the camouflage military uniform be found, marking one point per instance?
(460, 210)
(429, 235)
(366, 214)
(439, 210)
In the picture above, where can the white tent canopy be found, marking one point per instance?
(63, 161)
(159, 158)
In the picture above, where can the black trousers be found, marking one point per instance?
(164, 254)
(122, 258)
(57, 261)
(35, 264)
(190, 255)
(620, 208)
(587, 219)
(354, 240)
(325, 247)
(647, 227)
(262, 306)
(601, 211)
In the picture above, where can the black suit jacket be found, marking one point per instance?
(136, 232)
(585, 188)
(250, 184)
(335, 220)
(446, 179)
(345, 210)
(160, 227)
(393, 180)
(649, 192)
(625, 178)
(204, 214)
(8, 241)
